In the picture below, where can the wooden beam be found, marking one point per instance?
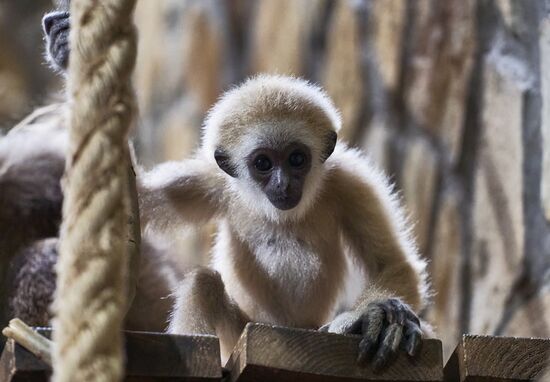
(270, 353)
(150, 357)
(486, 358)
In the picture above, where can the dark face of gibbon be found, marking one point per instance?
(281, 173)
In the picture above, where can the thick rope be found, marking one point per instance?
(92, 270)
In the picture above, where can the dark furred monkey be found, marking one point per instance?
(32, 161)
(30, 202)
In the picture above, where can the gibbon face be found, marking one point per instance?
(281, 173)
(280, 170)
(56, 27)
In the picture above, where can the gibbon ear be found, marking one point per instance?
(329, 145)
(223, 161)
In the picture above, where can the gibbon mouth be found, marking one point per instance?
(285, 202)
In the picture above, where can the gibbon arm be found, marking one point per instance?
(373, 226)
(180, 193)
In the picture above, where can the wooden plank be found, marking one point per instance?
(150, 357)
(270, 353)
(486, 358)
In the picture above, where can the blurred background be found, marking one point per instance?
(451, 98)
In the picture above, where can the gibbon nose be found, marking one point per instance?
(282, 181)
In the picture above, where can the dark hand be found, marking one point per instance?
(56, 26)
(385, 326)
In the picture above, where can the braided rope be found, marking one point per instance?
(92, 268)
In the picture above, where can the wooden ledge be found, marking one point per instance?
(489, 358)
(270, 353)
(150, 357)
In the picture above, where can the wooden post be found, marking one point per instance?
(486, 358)
(269, 353)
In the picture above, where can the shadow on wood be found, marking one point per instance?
(487, 358)
(150, 357)
(269, 353)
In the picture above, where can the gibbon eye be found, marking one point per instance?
(297, 159)
(262, 163)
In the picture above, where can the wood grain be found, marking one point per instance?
(271, 353)
(150, 357)
(486, 358)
